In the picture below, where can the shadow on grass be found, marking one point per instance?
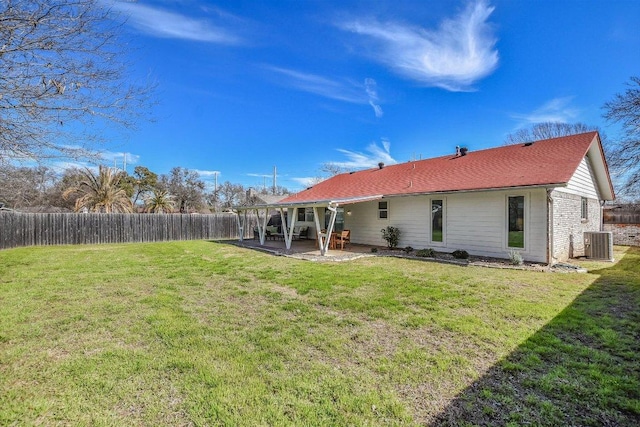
(581, 369)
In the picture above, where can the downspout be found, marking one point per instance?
(549, 227)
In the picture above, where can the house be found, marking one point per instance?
(536, 198)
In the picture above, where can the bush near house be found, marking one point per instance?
(460, 254)
(392, 235)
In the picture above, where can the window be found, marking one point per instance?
(339, 224)
(383, 210)
(585, 209)
(437, 207)
(516, 222)
(305, 214)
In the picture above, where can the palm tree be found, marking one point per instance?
(160, 201)
(100, 193)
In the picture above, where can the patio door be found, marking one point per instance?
(339, 224)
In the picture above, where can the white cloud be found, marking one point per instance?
(308, 181)
(119, 158)
(61, 166)
(206, 174)
(453, 56)
(370, 87)
(162, 23)
(373, 155)
(556, 110)
(328, 88)
(341, 90)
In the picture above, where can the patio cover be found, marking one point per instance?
(288, 221)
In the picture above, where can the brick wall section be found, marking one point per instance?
(568, 226)
(624, 234)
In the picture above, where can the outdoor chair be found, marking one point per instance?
(300, 233)
(343, 238)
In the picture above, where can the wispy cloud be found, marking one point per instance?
(163, 23)
(453, 57)
(307, 181)
(328, 88)
(119, 158)
(371, 88)
(373, 155)
(206, 174)
(556, 110)
(344, 90)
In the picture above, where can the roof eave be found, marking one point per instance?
(601, 169)
(310, 203)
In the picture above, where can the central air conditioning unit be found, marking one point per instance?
(598, 245)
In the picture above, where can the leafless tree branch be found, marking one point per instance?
(63, 75)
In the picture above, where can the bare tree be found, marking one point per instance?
(62, 77)
(546, 130)
(624, 108)
(186, 187)
(22, 187)
(231, 194)
(333, 169)
(71, 177)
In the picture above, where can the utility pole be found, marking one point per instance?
(275, 174)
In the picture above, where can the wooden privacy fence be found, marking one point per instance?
(32, 229)
(624, 224)
(621, 217)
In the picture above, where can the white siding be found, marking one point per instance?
(582, 183)
(475, 222)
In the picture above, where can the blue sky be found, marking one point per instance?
(244, 86)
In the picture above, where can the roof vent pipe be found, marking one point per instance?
(457, 151)
(463, 151)
(380, 165)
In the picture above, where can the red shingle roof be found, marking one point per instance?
(548, 162)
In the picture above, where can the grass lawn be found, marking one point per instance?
(203, 333)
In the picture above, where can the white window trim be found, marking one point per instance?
(527, 222)
(444, 222)
(584, 209)
(378, 210)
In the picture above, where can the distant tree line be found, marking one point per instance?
(42, 189)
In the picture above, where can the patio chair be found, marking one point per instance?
(343, 238)
(300, 233)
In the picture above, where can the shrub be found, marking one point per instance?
(426, 253)
(374, 250)
(408, 249)
(460, 254)
(392, 235)
(515, 257)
